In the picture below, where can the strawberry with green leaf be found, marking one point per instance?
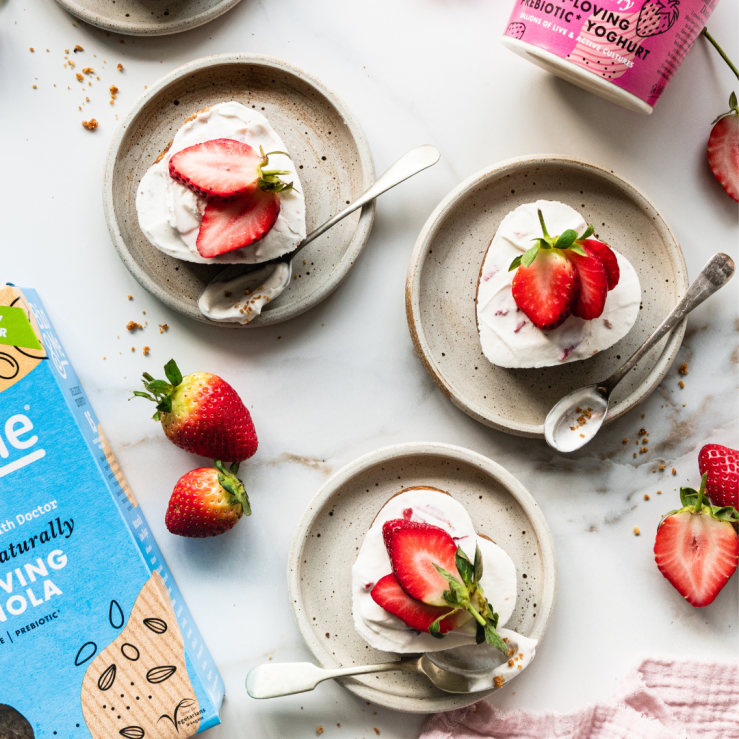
(697, 548)
(201, 413)
(441, 585)
(563, 275)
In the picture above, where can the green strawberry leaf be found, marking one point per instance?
(515, 264)
(142, 394)
(588, 232)
(726, 513)
(480, 634)
(732, 100)
(478, 564)
(530, 255)
(171, 370)
(158, 387)
(566, 240)
(578, 250)
(435, 628)
(233, 486)
(147, 377)
(465, 567)
(493, 638)
(165, 404)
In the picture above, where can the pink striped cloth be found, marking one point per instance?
(662, 699)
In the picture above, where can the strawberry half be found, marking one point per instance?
(547, 289)
(593, 283)
(697, 548)
(723, 149)
(388, 594)
(607, 256)
(202, 414)
(414, 548)
(230, 225)
(221, 168)
(207, 501)
(721, 465)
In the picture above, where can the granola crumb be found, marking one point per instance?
(683, 368)
(646, 496)
(90, 125)
(319, 730)
(79, 77)
(31, 48)
(625, 441)
(130, 297)
(77, 48)
(120, 67)
(133, 348)
(510, 663)
(146, 352)
(674, 471)
(681, 384)
(113, 89)
(498, 681)
(642, 432)
(661, 468)
(163, 327)
(636, 531)
(634, 455)
(132, 325)
(87, 70)
(659, 492)
(377, 731)
(684, 404)
(34, 87)
(104, 357)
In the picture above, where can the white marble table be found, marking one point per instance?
(343, 379)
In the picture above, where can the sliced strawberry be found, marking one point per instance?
(414, 548)
(697, 548)
(234, 224)
(222, 169)
(593, 284)
(721, 464)
(607, 256)
(723, 152)
(547, 289)
(388, 594)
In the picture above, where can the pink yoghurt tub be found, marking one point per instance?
(623, 50)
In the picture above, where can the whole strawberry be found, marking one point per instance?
(207, 501)
(202, 414)
(697, 547)
(721, 466)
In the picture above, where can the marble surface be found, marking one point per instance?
(343, 379)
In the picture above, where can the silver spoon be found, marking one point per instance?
(561, 428)
(467, 669)
(274, 275)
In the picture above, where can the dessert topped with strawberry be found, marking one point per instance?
(424, 581)
(224, 191)
(549, 292)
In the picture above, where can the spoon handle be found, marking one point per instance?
(415, 161)
(717, 272)
(288, 678)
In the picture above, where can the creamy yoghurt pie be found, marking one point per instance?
(225, 191)
(549, 293)
(402, 603)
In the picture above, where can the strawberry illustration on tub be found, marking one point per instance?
(623, 50)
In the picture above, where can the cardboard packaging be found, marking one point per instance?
(95, 637)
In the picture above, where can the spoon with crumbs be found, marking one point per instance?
(577, 418)
(239, 293)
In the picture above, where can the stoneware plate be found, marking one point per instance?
(442, 285)
(327, 145)
(147, 17)
(333, 527)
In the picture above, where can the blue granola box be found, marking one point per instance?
(95, 638)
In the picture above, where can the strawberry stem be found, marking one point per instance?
(477, 616)
(721, 52)
(701, 492)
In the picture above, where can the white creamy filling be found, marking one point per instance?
(384, 631)
(170, 214)
(507, 336)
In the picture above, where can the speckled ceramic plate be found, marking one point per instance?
(326, 144)
(334, 525)
(147, 17)
(441, 288)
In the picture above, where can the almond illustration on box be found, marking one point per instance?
(656, 17)
(138, 685)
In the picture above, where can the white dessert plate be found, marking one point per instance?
(441, 289)
(327, 145)
(147, 17)
(333, 527)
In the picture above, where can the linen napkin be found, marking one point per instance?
(661, 699)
